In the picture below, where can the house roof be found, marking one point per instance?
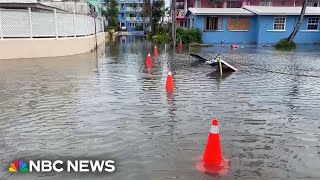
(265, 10)
(25, 4)
(220, 11)
(19, 1)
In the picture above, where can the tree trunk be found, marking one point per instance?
(297, 27)
(173, 21)
(144, 13)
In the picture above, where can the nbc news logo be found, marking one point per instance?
(18, 166)
(57, 166)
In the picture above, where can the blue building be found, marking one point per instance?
(254, 24)
(130, 15)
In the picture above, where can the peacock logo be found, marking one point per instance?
(18, 166)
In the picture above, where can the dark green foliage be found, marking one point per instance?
(161, 38)
(163, 29)
(149, 35)
(157, 13)
(189, 35)
(284, 45)
(112, 14)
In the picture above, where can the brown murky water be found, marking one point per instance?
(108, 106)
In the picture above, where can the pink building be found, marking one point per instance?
(183, 5)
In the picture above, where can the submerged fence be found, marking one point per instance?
(25, 23)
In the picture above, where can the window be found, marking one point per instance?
(313, 23)
(265, 2)
(183, 23)
(234, 4)
(279, 23)
(230, 4)
(313, 3)
(179, 5)
(198, 4)
(213, 23)
(238, 23)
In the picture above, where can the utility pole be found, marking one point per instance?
(151, 19)
(173, 22)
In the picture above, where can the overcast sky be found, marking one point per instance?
(167, 3)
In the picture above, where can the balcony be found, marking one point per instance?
(128, 1)
(130, 9)
(137, 9)
(133, 19)
(180, 13)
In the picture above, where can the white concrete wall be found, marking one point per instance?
(47, 47)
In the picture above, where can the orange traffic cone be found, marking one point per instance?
(169, 82)
(212, 161)
(212, 153)
(155, 51)
(149, 62)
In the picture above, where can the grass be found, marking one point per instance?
(284, 45)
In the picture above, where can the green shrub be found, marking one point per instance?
(149, 35)
(283, 44)
(161, 38)
(189, 35)
(163, 30)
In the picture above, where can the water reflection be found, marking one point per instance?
(113, 107)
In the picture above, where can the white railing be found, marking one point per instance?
(133, 9)
(131, 18)
(25, 23)
(137, 19)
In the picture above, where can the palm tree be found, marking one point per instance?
(146, 11)
(297, 27)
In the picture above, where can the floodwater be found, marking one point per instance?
(109, 106)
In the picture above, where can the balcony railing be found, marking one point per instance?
(133, 19)
(181, 13)
(133, 9)
(126, 1)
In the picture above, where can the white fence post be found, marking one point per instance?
(102, 26)
(56, 22)
(1, 31)
(74, 24)
(86, 24)
(30, 22)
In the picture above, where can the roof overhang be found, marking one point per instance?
(219, 11)
(29, 5)
(281, 11)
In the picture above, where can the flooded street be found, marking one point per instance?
(109, 106)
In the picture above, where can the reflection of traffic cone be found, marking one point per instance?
(180, 43)
(148, 62)
(169, 82)
(212, 161)
(155, 51)
(212, 153)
